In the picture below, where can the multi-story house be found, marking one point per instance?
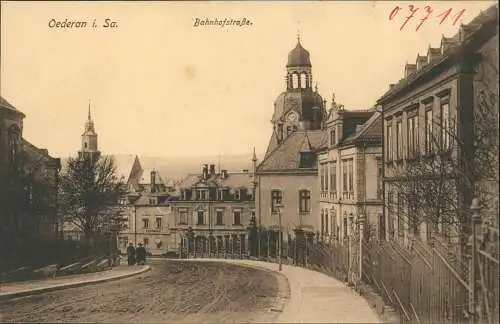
(350, 172)
(28, 181)
(148, 216)
(215, 206)
(287, 175)
(434, 136)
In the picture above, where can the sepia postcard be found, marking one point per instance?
(249, 162)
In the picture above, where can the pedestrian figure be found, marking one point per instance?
(140, 254)
(131, 254)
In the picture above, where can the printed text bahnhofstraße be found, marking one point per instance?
(222, 22)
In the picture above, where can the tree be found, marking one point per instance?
(460, 161)
(28, 194)
(91, 195)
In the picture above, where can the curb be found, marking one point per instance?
(35, 291)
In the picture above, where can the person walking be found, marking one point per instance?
(140, 254)
(131, 254)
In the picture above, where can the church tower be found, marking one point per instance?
(89, 148)
(299, 107)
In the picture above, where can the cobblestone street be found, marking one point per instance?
(173, 291)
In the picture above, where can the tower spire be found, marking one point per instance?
(89, 117)
(298, 35)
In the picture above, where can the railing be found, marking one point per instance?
(422, 285)
(426, 282)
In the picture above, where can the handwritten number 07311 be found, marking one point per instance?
(426, 13)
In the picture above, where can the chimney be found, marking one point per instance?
(153, 181)
(223, 174)
(212, 169)
(205, 171)
(245, 170)
(391, 86)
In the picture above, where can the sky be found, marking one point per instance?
(158, 86)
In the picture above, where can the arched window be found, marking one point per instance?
(13, 139)
(303, 80)
(295, 81)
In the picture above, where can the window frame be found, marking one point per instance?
(237, 213)
(304, 201)
(183, 214)
(198, 213)
(217, 214)
(276, 199)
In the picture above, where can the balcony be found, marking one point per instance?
(348, 195)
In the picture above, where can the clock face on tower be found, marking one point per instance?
(292, 116)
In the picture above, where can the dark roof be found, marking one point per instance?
(37, 154)
(299, 56)
(486, 19)
(273, 144)
(233, 180)
(7, 105)
(371, 131)
(303, 101)
(287, 155)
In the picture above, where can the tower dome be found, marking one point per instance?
(299, 57)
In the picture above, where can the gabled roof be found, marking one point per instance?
(370, 131)
(125, 164)
(273, 143)
(36, 154)
(306, 145)
(7, 105)
(286, 156)
(146, 177)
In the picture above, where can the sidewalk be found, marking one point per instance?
(16, 289)
(316, 297)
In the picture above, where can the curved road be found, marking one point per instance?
(173, 291)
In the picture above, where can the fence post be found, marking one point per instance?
(473, 298)
(361, 232)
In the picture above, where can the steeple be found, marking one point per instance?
(89, 149)
(298, 67)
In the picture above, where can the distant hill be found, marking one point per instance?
(176, 168)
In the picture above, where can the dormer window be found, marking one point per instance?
(237, 194)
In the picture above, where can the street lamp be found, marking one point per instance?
(349, 248)
(278, 208)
